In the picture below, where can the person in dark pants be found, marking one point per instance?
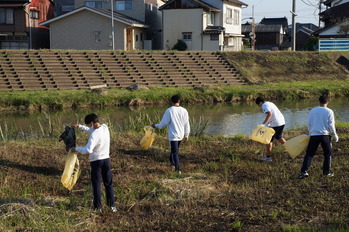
(274, 119)
(98, 147)
(321, 124)
(176, 118)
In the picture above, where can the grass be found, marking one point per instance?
(223, 187)
(73, 99)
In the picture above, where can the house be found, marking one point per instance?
(137, 25)
(63, 6)
(304, 32)
(89, 28)
(336, 11)
(275, 21)
(268, 37)
(203, 24)
(334, 17)
(20, 23)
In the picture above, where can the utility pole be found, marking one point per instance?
(293, 12)
(112, 24)
(253, 36)
(320, 2)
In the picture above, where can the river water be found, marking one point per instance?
(227, 119)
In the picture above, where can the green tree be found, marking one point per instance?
(180, 45)
(312, 44)
(344, 27)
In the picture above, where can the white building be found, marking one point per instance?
(203, 24)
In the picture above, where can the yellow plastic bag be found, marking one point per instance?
(296, 145)
(262, 134)
(71, 171)
(148, 138)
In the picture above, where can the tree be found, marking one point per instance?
(344, 27)
(180, 45)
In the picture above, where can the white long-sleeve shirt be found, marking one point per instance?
(177, 120)
(321, 121)
(98, 145)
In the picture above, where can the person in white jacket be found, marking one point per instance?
(176, 118)
(98, 148)
(321, 124)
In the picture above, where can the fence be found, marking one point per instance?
(333, 45)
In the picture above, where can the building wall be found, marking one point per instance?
(153, 18)
(235, 25)
(79, 32)
(211, 45)
(177, 21)
(137, 11)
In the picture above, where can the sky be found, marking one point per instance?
(306, 10)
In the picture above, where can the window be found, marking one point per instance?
(236, 17)
(210, 19)
(137, 38)
(214, 37)
(34, 14)
(6, 16)
(123, 5)
(229, 16)
(94, 4)
(186, 36)
(141, 36)
(97, 36)
(149, 7)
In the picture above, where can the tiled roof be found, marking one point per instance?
(261, 28)
(213, 30)
(107, 13)
(201, 3)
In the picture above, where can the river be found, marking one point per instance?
(227, 119)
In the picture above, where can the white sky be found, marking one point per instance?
(307, 10)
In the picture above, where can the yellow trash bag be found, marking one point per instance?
(71, 171)
(262, 134)
(296, 145)
(148, 138)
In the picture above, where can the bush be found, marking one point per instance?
(180, 46)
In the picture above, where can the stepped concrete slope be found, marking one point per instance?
(52, 70)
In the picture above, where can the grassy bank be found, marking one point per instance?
(58, 100)
(223, 187)
(286, 66)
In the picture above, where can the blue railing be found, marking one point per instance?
(333, 45)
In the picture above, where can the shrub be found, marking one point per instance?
(180, 46)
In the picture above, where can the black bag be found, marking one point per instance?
(68, 138)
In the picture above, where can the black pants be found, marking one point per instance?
(325, 141)
(174, 156)
(101, 169)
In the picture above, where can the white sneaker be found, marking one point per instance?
(266, 159)
(113, 209)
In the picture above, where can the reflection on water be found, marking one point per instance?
(226, 119)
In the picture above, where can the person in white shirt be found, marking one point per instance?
(98, 147)
(176, 118)
(321, 124)
(274, 119)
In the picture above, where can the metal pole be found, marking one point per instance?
(293, 12)
(253, 30)
(320, 2)
(112, 23)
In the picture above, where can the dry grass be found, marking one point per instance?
(223, 187)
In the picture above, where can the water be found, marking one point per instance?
(227, 119)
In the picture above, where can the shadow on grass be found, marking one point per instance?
(47, 171)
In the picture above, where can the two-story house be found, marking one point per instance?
(101, 25)
(20, 23)
(203, 24)
(333, 17)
